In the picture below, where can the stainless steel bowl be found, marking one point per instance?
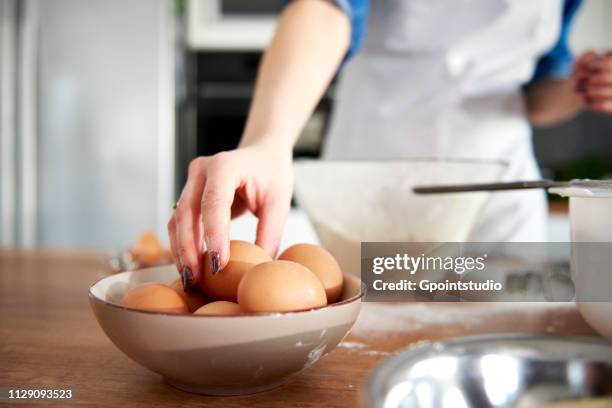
(514, 370)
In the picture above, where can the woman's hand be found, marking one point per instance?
(310, 41)
(593, 73)
(257, 178)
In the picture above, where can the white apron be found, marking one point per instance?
(442, 78)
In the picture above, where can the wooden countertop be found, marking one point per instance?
(50, 339)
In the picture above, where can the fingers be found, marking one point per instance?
(601, 105)
(173, 244)
(218, 188)
(581, 66)
(601, 64)
(588, 64)
(594, 81)
(216, 207)
(598, 86)
(599, 80)
(186, 219)
(272, 217)
(598, 92)
(589, 56)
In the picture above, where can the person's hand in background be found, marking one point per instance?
(593, 80)
(257, 178)
(551, 101)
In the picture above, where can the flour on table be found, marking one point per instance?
(411, 317)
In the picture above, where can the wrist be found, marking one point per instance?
(270, 140)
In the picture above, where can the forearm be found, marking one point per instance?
(551, 101)
(310, 41)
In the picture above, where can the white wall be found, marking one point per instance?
(593, 26)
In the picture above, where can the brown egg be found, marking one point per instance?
(220, 307)
(280, 286)
(156, 297)
(321, 263)
(224, 285)
(148, 251)
(194, 299)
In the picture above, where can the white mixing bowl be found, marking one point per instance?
(591, 263)
(353, 201)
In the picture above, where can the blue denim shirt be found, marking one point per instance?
(556, 63)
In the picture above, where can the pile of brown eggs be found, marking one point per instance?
(303, 277)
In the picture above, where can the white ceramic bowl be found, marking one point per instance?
(353, 201)
(221, 355)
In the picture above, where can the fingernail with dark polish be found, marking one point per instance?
(187, 277)
(215, 261)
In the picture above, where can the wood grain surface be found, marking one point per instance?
(49, 338)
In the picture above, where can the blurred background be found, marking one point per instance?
(104, 103)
